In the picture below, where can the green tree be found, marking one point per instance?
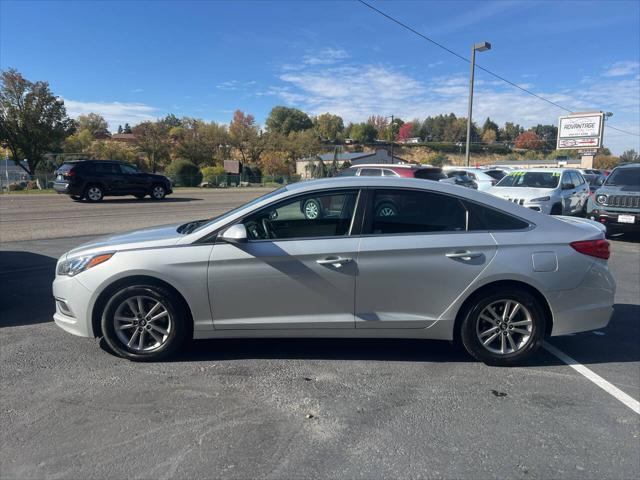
(510, 132)
(285, 120)
(547, 133)
(200, 142)
(244, 136)
(363, 132)
(629, 156)
(33, 121)
(127, 128)
(329, 126)
(111, 150)
(489, 136)
(119, 129)
(94, 123)
(184, 173)
(152, 138)
(79, 142)
(171, 121)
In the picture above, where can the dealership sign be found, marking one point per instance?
(580, 130)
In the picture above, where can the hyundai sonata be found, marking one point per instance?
(382, 257)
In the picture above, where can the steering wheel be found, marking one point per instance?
(267, 226)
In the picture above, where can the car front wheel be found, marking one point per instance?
(503, 327)
(144, 323)
(158, 192)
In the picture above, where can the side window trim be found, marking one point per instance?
(367, 221)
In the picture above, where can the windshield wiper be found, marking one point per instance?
(187, 228)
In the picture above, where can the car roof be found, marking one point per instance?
(545, 170)
(629, 165)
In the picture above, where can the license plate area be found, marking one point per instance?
(626, 219)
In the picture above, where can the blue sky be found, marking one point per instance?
(132, 61)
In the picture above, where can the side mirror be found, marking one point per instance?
(235, 234)
(568, 186)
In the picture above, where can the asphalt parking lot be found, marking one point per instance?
(292, 408)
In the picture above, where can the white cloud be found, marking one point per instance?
(326, 56)
(620, 69)
(115, 113)
(357, 91)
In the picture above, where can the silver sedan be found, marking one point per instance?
(345, 257)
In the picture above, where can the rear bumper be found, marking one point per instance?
(67, 188)
(611, 219)
(587, 307)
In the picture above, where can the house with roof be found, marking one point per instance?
(380, 155)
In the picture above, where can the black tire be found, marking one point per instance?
(527, 345)
(386, 209)
(94, 193)
(140, 196)
(158, 192)
(177, 332)
(76, 198)
(312, 209)
(556, 209)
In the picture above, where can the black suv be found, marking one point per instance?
(94, 179)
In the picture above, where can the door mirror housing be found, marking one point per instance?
(235, 234)
(568, 186)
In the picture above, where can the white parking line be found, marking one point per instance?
(629, 401)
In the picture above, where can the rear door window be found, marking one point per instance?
(429, 174)
(394, 211)
(485, 218)
(370, 172)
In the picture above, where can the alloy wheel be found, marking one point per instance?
(142, 323)
(158, 192)
(94, 194)
(311, 210)
(386, 211)
(504, 327)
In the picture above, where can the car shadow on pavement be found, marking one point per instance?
(25, 288)
(117, 200)
(617, 343)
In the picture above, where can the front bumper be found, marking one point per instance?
(587, 307)
(73, 306)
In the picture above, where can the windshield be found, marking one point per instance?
(530, 180)
(624, 177)
(200, 224)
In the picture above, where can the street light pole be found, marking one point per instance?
(480, 47)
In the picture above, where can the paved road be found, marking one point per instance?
(31, 217)
(238, 408)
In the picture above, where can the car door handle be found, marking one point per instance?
(335, 261)
(467, 255)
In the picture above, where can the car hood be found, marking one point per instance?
(521, 192)
(162, 236)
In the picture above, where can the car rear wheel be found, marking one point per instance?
(144, 323)
(386, 209)
(158, 192)
(503, 327)
(94, 193)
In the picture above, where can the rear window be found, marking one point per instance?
(429, 174)
(485, 218)
(349, 172)
(65, 167)
(370, 172)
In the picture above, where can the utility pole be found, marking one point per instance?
(480, 47)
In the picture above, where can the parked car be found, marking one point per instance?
(92, 180)
(449, 263)
(483, 180)
(461, 179)
(496, 173)
(595, 181)
(616, 203)
(553, 191)
(412, 170)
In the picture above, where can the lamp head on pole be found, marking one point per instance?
(482, 46)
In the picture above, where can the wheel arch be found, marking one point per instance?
(503, 284)
(103, 298)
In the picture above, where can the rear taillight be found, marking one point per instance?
(593, 248)
(70, 173)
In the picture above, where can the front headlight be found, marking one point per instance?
(540, 199)
(601, 199)
(75, 265)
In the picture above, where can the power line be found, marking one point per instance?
(462, 57)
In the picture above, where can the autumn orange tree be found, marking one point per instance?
(529, 141)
